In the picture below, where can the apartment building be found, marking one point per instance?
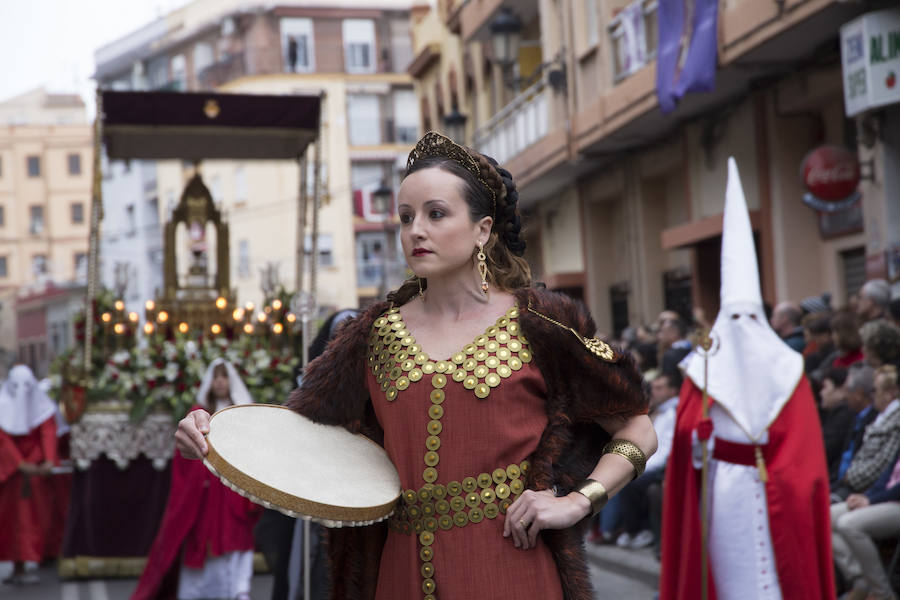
(624, 201)
(46, 153)
(356, 57)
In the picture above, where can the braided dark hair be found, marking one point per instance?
(507, 269)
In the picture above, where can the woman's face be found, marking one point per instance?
(436, 232)
(220, 385)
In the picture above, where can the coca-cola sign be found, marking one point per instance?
(830, 175)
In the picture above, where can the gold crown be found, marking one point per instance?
(434, 144)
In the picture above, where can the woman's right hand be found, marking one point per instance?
(189, 438)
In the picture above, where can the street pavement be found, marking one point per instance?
(615, 573)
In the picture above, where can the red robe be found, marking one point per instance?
(202, 518)
(796, 493)
(26, 503)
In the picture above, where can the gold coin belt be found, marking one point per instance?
(397, 360)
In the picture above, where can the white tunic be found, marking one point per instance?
(740, 543)
(224, 576)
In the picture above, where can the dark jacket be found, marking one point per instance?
(581, 389)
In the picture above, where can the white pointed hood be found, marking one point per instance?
(751, 372)
(23, 404)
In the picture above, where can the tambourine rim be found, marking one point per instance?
(284, 501)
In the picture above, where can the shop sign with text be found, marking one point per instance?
(870, 60)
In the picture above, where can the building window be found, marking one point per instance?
(633, 36)
(77, 212)
(4, 272)
(34, 166)
(240, 185)
(244, 258)
(36, 225)
(203, 58)
(406, 117)
(39, 264)
(364, 119)
(74, 164)
(297, 45)
(130, 222)
(359, 45)
(80, 263)
(853, 262)
(618, 304)
(325, 248)
(591, 27)
(178, 71)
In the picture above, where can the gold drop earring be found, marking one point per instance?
(421, 292)
(482, 268)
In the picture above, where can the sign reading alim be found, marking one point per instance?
(870, 60)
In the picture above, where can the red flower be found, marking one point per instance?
(151, 384)
(115, 376)
(159, 364)
(180, 387)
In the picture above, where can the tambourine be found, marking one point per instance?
(282, 460)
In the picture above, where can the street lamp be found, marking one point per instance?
(506, 30)
(381, 198)
(455, 125)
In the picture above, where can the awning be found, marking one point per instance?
(195, 126)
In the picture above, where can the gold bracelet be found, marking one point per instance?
(630, 451)
(594, 491)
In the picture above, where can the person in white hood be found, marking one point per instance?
(28, 452)
(767, 506)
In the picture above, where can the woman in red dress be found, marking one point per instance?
(492, 398)
(27, 455)
(205, 541)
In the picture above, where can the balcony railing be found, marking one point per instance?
(632, 35)
(221, 72)
(517, 125)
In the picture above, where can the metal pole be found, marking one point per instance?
(317, 203)
(302, 204)
(93, 237)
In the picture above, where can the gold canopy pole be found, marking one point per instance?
(706, 344)
(94, 237)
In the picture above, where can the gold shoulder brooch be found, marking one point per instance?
(595, 346)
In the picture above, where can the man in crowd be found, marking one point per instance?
(786, 323)
(874, 300)
(858, 390)
(641, 500)
(673, 343)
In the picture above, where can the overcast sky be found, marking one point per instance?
(52, 42)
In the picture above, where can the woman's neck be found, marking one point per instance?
(455, 294)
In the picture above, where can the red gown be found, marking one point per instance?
(796, 493)
(458, 431)
(26, 503)
(202, 518)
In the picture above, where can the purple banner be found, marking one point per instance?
(688, 53)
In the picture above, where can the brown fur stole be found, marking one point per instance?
(581, 389)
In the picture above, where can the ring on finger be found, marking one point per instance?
(524, 524)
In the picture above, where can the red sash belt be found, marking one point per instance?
(739, 454)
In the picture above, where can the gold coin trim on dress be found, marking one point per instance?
(397, 360)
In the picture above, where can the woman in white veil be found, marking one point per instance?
(207, 530)
(221, 386)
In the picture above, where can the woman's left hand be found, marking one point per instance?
(534, 511)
